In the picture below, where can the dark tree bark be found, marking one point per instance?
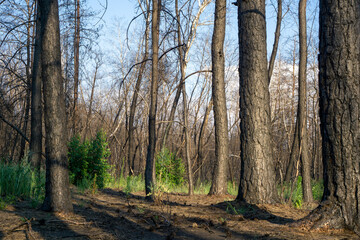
(36, 97)
(57, 192)
(131, 131)
(150, 177)
(302, 113)
(257, 178)
(339, 87)
(219, 184)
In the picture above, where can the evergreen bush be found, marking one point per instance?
(169, 168)
(88, 160)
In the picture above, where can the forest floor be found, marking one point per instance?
(112, 214)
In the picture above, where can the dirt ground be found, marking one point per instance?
(112, 214)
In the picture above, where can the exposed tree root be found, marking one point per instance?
(327, 215)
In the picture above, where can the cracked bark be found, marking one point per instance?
(339, 87)
(257, 178)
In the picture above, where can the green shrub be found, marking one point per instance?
(88, 161)
(78, 160)
(169, 168)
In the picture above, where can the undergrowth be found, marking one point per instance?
(289, 191)
(20, 182)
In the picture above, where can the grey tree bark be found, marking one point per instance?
(219, 184)
(302, 113)
(339, 87)
(257, 178)
(150, 177)
(36, 97)
(57, 191)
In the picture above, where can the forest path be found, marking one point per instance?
(112, 214)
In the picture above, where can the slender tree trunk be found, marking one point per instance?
(257, 178)
(185, 110)
(131, 145)
(305, 161)
(36, 97)
(276, 40)
(57, 191)
(201, 154)
(339, 89)
(150, 177)
(76, 62)
(219, 181)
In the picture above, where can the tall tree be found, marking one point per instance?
(339, 88)
(57, 191)
(219, 184)
(131, 131)
(36, 97)
(182, 63)
(76, 61)
(302, 106)
(150, 158)
(257, 178)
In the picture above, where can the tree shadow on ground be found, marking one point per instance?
(34, 223)
(252, 212)
(170, 223)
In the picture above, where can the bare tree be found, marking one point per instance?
(219, 183)
(36, 100)
(302, 106)
(150, 177)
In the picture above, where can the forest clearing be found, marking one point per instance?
(113, 214)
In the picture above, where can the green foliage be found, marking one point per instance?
(20, 181)
(78, 160)
(296, 192)
(169, 168)
(88, 161)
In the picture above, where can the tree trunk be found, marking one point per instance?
(219, 184)
(36, 104)
(131, 146)
(150, 177)
(201, 154)
(339, 88)
(257, 178)
(276, 40)
(185, 107)
(302, 116)
(76, 62)
(57, 192)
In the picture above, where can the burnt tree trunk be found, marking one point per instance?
(339, 88)
(257, 177)
(219, 184)
(57, 191)
(36, 97)
(150, 177)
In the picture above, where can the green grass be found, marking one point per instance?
(296, 193)
(133, 184)
(19, 182)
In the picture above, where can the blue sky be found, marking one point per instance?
(125, 10)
